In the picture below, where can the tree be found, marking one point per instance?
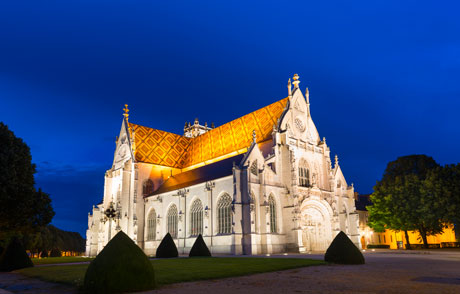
(404, 200)
(22, 207)
(444, 182)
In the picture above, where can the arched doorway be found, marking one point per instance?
(316, 228)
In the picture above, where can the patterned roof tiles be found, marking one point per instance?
(168, 149)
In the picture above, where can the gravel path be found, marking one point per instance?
(384, 272)
(17, 283)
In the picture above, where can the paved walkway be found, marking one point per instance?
(385, 271)
(17, 283)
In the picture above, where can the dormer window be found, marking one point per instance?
(254, 169)
(147, 187)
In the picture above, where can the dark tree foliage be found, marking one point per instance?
(403, 199)
(44, 253)
(444, 184)
(14, 257)
(199, 248)
(49, 237)
(120, 267)
(22, 207)
(418, 165)
(55, 252)
(167, 248)
(343, 251)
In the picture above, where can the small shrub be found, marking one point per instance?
(343, 251)
(55, 252)
(14, 257)
(167, 248)
(384, 246)
(44, 253)
(120, 267)
(199, 248)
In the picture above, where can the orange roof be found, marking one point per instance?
(168, 149)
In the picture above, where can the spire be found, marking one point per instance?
(336, 161)
(254, 137)
(296, 81)
(307, 96)
(126, 114)
(289, 88)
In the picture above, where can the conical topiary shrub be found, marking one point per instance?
(167, 248)
(44, 253)
(55, 252)
(120, 267)
(199, 248)
(14, 257)
(343, 251)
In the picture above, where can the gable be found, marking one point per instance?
(159, 147)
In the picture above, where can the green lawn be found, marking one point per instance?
(168, 271)
(64, 259)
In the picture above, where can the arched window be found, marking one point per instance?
(272, 206)
(172, 221)
(253, 207)
(152, 226)
(304, 174)
(196, 218)
(224, 214)
(304, 177)
(147, 187)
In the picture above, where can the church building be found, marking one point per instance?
(263, 183)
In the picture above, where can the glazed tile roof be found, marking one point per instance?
(168, 149)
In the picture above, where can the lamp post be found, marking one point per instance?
(110, 214)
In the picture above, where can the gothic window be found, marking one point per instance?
(304, 177)
(272, 206)
(151, 226)
(147, 187)
(172, 221)
(224, 214)
(196, 218)
(254, 169)
(253, 207)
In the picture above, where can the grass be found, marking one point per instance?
(169, 271)
(64, 259)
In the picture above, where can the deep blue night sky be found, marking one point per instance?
(383, 79)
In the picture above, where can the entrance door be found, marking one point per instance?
(316, 230)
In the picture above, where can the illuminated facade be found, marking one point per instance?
(262, 183)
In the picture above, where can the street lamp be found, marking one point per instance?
(110, 214)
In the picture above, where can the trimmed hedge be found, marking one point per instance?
(383, 246)
(167, 248)
(343, 251)
(450, 244)
(420, 246)
(14, 257)
(120, 267)
(55, 252)
(199, 248)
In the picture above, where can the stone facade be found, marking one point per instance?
(280, 192)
